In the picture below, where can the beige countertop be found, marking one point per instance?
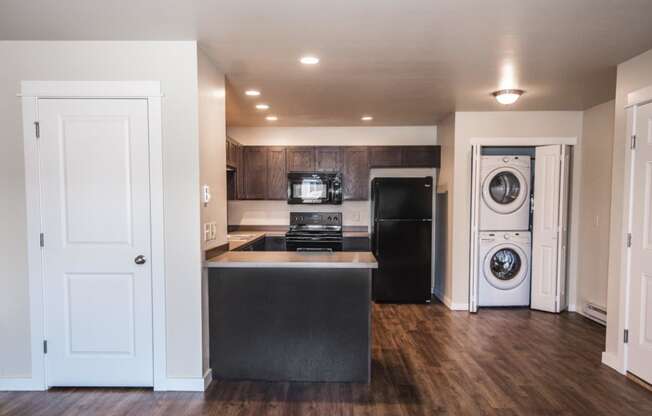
(293, 259)
(240, 238)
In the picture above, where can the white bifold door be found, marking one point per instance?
(549, 231)
(639, 347)
(95, 204)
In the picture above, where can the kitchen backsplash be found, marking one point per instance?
(277, 212)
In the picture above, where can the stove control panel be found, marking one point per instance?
(315, 218)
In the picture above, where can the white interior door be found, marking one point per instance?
(475, 227)
(639, 348)
(94, 173)
(549, 228)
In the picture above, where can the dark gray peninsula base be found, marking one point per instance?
(290, 321)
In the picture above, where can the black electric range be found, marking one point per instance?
(314, 231)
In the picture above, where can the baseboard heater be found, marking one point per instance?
(596, 313)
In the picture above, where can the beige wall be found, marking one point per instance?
(506, 124)
(212, 172)
(595, 196)
(632, 75)
(175, 65)
(444, 276)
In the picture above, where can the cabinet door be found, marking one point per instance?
(385, 156)
(301, 159)
(239, 173)
(327, 159)
(255, 172)
(421, 156)
(231, 153)
(276, 173)
(355, 173)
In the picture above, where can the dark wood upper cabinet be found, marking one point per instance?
(254, 160)
(385, 156)
(328, 159)
(355, 173)
(421, 156)
(277, 173)
(301, 159)
(232, 148)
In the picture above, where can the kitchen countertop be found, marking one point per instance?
(240, 238)
(293, 259)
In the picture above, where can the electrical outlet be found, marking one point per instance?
(356, 216)
(207, 231)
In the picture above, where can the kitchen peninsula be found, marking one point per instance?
(291, 316)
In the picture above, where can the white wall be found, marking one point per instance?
(212, 163)
(509, 124)
(354, 213)
(445, 184)
(595, 196)
(174, 64)
(632, 75)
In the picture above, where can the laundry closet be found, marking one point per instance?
(519, 233)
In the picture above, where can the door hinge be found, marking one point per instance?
(42, 239)
(37, 128)
(626, 336)
(629, 240)
(633, 143)
(45, 346)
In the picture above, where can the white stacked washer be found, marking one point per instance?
(504, 268)
(505, 239)
(505, 187)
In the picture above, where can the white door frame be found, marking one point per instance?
(576, 176)
(31, 92)
(635, 99)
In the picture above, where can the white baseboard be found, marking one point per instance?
(187, 383)
(611, 360)
(453, 306)
(208, 378)
(20, 384)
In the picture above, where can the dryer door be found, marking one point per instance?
(505, 266)
(505, 190)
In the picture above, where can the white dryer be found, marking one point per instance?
(505, 193)
(504, 258)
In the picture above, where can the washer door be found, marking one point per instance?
(505, 190)
(505, 266)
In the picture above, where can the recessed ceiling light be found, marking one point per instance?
(508, 96)
(262, 106)
(309, 60)
(271, 118)
(252, 93)
(366, 118)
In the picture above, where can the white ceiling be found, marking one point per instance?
(405, 62)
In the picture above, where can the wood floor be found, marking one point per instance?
(426, 361)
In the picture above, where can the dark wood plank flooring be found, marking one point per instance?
(426, 361)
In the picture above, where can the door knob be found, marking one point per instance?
(140, 259)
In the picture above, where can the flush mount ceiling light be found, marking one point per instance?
(309, 60)
(262, 106)
(508, 96)
(271, 118)
(252, 93)
(366, 118)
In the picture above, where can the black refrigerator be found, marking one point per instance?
(401, 239)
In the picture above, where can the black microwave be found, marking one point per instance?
(314, 188)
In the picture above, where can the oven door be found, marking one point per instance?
(308, 188)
